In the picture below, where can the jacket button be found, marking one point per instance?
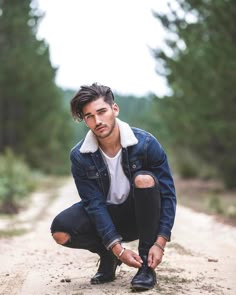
(134, 166)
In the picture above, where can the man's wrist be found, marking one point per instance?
(116, 249)
(161, 241)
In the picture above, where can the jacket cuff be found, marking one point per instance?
(165, 233)
(112, 242)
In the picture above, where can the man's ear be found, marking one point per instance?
(116, 109)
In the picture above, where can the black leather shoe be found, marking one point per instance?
(145, 278)
(107, 269)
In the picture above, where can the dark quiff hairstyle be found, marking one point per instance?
(86, 94)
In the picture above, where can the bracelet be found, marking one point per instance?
(121, 253)
(159, 246)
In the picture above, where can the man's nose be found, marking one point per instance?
(97, 120)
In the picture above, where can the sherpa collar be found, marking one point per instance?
(127, 137)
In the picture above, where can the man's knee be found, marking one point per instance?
(61, 237)
(144, 181)
(58, 230)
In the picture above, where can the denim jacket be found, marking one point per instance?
(140, 151)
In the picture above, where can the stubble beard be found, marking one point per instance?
(107, 134)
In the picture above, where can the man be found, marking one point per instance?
(126, 190)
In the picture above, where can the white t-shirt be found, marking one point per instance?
(119, 183)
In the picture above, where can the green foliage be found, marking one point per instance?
(186, 165)
(200, 66)
(78, 129)
(16, 181)
(135, 110)
(33, 119)
(231, 211)
(214, 204)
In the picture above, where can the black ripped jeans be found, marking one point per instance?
(137, 218)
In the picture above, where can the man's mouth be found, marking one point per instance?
(100, 128)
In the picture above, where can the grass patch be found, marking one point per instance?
(207, 196)
(13, 225)
(215, 204)
(12, 233)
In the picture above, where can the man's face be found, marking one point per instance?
(100, 117)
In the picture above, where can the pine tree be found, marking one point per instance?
(33, 119)
(200, 66)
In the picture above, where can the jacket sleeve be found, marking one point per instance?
(157, 162)
(94, 202)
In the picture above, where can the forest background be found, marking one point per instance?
(196, 123)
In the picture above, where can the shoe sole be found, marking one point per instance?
(140, 288)
(97, 282)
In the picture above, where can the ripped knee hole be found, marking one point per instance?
(61, 237)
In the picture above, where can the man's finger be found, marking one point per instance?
(150, 259)
(138, 258)
(136, 263)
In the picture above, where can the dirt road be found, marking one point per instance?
(201, 259)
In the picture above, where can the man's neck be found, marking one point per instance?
(111, 144)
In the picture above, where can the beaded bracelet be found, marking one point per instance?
(159, 246)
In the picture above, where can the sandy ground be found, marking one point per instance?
(200, 259)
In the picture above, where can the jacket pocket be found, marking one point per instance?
(92, 172)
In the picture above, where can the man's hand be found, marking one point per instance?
(128, 257)
(131, 258)
(154, 257)
(156, 253)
